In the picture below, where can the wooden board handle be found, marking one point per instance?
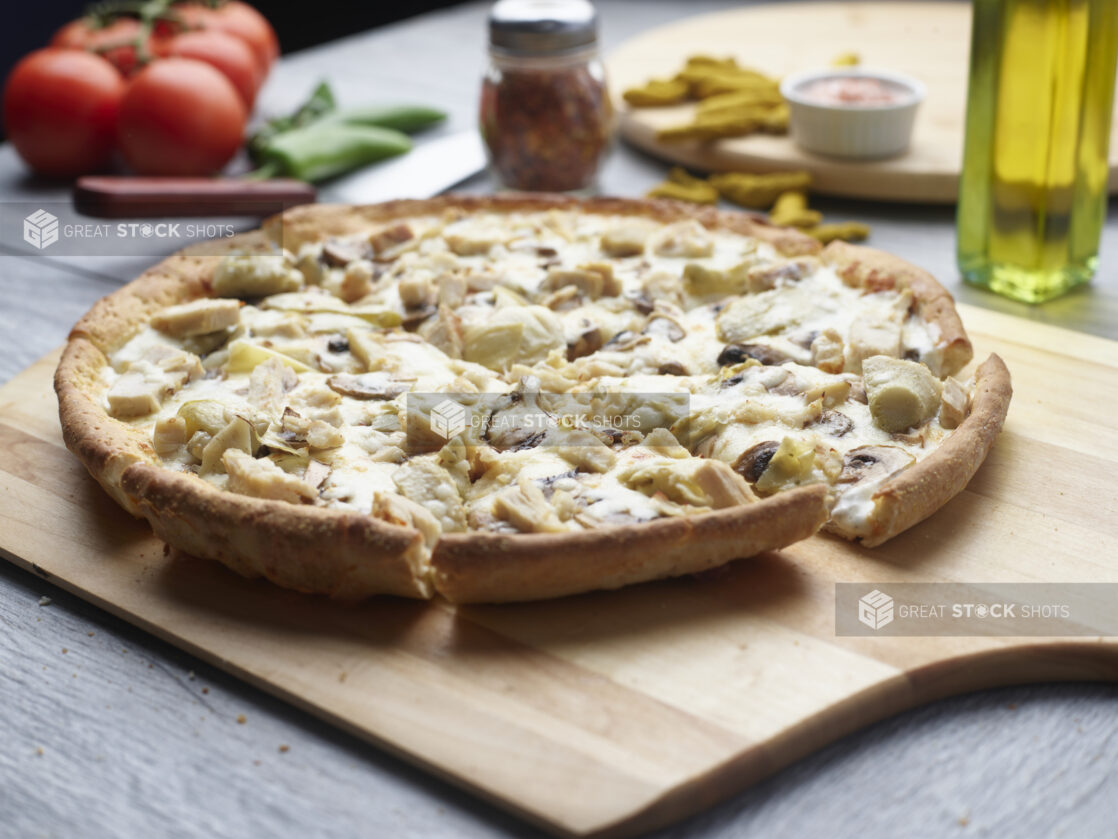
(124, 197)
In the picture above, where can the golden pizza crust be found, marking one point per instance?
(314, 222)
(498, 567)
(348, 555)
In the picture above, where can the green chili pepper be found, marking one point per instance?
(406, 118)
(327, 149)
(320, 104)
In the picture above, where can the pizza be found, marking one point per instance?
(513, 398)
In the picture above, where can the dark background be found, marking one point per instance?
(299, 23)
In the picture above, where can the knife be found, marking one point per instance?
(428, 169)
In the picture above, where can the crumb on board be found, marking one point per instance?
(91, 634)
(45, 601)
(64, 651)
(241, 719)
(205, 690)
(284, 748)
(190, 675)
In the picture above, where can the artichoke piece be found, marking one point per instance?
(238, 434)
(696, 482)
(203, 415)
(790, 465)
(698, 280)
(902, 394)
(263, 479)
(244, 357)
(524, 334)
(307, 304)
(525, 507)
(255, 275)
(425, 482)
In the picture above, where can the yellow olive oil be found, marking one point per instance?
(1032, 198)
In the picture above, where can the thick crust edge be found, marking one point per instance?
(920, 490)
(495, 567)
(876, 270)
(310, 549)
(312, 222)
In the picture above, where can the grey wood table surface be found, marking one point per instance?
(105, 731)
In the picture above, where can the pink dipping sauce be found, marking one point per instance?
(856, 91)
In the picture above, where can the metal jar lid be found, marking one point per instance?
(542, 27)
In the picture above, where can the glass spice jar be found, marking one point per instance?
(546, 116)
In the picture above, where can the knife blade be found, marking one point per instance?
(433, 166)
(430, 168)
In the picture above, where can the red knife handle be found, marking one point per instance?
(123, 197)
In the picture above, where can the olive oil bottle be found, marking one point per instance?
(1032, 199)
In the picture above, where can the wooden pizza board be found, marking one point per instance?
(614, 712)
(930, 41)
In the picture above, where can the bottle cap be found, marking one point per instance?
(542, 27)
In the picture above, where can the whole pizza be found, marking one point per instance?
(511, 398)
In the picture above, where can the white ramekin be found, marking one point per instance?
(853, 131)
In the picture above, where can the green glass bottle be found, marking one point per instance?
(1032, 198)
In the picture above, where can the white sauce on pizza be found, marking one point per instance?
(789, 375)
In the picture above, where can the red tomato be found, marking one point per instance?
(116, 42)
(239, 19)
(60, 110)
(229, 54)
(180, 116)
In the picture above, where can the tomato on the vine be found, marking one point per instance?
(227, 53)
(180, 116)
(238, 19)
(116, 42)
(60, 110)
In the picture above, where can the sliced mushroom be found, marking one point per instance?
(873, 462)
(672, 368)
(626, 339)
(737, 353)
(414, 317)
(665, 326)
(641, 302)
(588, 341)
(366, 386)
(753, 462)
(835, 423)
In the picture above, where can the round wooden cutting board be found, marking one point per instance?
(930, 41)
